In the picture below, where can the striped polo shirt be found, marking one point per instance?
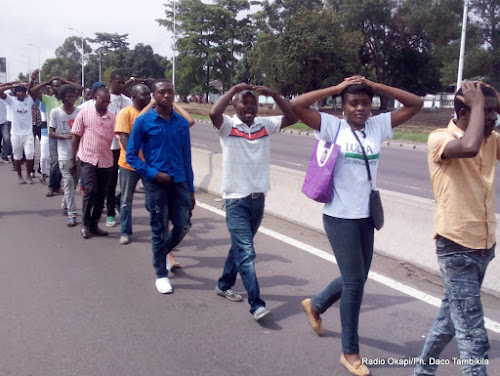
(245, 155)
(96, 134)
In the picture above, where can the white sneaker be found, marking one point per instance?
(260, 313)
(124, 239)
(110, 222)
(163, 285)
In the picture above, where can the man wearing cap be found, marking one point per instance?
(22, 131)
(50, 102)
(90, 95)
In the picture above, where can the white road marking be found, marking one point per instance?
(196, 144)
(400, 185)
(291, 163)
(389, 282)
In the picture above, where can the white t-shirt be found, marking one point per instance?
(87, 104)
(3, 111)
(351, 190)
(245, 155)
(116, 104)
(22, 122)
(62, 122)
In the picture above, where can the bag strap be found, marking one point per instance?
(338, 130)
(364, 157)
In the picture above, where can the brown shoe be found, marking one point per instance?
(357, 368)
(313, 315)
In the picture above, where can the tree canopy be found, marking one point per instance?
(296, 46)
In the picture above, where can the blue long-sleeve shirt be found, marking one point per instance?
(166, 147)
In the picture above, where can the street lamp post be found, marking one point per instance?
(83, 54)
(462, 45)
(39, 62)
(174, 48)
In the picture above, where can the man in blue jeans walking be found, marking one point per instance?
(462, 162)
(245, 157)
(163, 136)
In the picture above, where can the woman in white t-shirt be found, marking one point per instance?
(346, 218)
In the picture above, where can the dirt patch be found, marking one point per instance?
(425, 121)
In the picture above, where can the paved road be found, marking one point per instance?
(71, 306)
(401, 169)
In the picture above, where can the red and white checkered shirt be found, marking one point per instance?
(96, 134)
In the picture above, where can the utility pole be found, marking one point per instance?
(462, 45)
(174, 48)
(83, 55)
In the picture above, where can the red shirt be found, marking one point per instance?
(96, 134)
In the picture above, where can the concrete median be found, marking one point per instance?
(406, 235)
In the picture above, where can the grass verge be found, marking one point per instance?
(417, 137)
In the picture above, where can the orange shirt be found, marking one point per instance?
(124, 123)
(464, 189)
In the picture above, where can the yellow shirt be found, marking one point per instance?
(464, 189)
(124, 123)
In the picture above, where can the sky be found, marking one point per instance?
(46, 24)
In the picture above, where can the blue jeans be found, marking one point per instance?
(461, 311)
(5, 135)
(128, 182)
(243, 218)
(167, 202)
(352, 244)
(55, 174)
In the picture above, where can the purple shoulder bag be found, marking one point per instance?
(318, 183)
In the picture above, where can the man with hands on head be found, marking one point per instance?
(61, 123)
(50, 102)
(245, 157)
(462, 163)
(21, 133)
(163, 137)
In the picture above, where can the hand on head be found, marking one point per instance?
(264, 90)
(472, 93)
(243, 86)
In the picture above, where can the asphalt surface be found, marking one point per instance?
(71, 306)
(401, 169)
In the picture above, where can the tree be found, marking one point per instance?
(216, 34)
(58, 67)
(110, 42)
(486, 18)
(71, 52)
(195, 24)
(142, 62)
(314, 52)
(396, 45)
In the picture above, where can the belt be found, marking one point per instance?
(484, 252)
(256, 195)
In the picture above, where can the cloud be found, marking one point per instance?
(45, 24)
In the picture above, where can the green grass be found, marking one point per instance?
(301, 127)
(398, 135)
(202, 117)
(411, 136)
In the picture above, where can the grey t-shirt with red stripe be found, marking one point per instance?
(245, 155)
